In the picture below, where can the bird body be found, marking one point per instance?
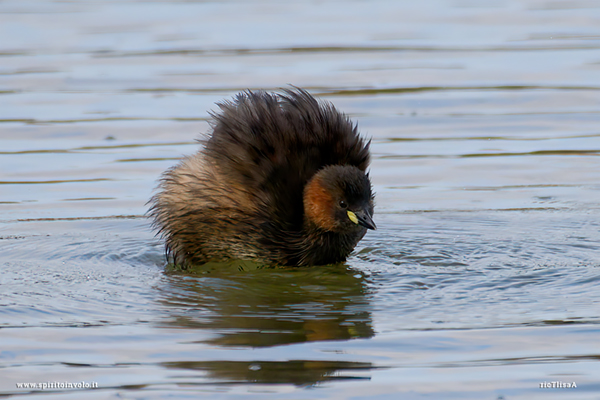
(280, 180)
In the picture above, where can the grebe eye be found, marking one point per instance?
(343, 204)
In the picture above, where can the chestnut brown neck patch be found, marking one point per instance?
(318, 205)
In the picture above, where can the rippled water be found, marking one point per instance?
(480, 283)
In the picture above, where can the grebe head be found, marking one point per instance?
(338, 198)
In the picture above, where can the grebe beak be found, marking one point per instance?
(362, 218)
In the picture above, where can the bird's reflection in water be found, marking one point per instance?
(244, 304)
(299, 373)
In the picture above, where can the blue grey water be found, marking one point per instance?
(480, 283)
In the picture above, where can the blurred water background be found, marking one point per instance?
(480, 283)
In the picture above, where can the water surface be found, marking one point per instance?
(480, 282)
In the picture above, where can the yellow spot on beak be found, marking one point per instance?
(352, 217)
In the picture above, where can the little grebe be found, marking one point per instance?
(281, 180)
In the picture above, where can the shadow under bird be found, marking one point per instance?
(281, 179)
